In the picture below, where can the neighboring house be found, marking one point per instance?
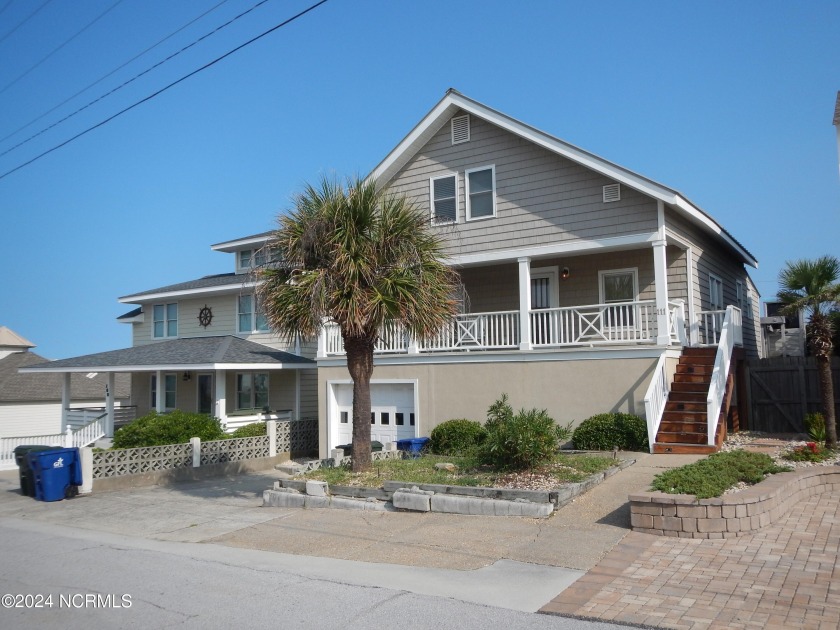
(584, 283)
(203, 346)
(31, 404)
(784, 335)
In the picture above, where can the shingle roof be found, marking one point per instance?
(27, 387)
(189, 354)
(218, 280)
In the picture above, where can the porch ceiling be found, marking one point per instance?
(196, 353)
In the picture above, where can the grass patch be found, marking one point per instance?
(712, 476)
(563, 468)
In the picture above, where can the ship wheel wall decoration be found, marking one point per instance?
(205, 316)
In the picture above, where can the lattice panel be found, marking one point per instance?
(134, 461)
(303, 435)
(234, 450)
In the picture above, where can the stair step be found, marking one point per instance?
(692, 378)
(689, 388)
(683, 449)
(681, 438)
(695, 368)
(699, 352)
(686, 405)
(681, 416)
(683, 427)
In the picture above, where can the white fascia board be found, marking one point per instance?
(232, 246)
(710, 224)
(177, 367)
(554, 249)
(137, 319)
(165, 295)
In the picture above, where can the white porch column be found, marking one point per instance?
(160, 392)
(660, 272)
(221, 395)
(322, 342)
(65, 398)
(693, 327)
(524, 303)
(109, 406)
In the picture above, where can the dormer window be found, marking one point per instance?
(250, 258)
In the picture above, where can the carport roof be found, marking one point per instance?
(196, 353)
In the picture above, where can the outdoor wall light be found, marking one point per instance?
(187, 376)
(564, 275)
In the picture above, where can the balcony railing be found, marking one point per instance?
(476, 331)
(595, 324)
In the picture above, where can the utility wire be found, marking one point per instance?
(165, 88)
(120, 67)
(134, 78)
(25, 20)
(55, 50)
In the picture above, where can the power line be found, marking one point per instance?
(55, 50)
(167, 87)
(25, 20)
(102, 78)
(132, 79)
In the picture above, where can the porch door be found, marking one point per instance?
(205, 393)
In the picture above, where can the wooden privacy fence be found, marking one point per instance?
(782, 390)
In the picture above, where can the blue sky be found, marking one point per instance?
(729, 102)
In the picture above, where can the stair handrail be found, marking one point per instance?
(655, 399)
(729, 334)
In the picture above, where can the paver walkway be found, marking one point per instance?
(785, 576)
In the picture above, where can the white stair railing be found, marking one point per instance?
(730, 333)
(82, 436)
(655, 399)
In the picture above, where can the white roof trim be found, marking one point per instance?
(454, 101)
(242, 243)
(165, 295)
(175, 367)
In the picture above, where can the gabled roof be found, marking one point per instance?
(192, 353)
(16, 387)
(218, 282)
(10, 339)
(453, 101)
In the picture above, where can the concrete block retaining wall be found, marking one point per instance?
(737, 514)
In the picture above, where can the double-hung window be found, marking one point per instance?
(249, 258)
(481, 192)
(619, 286)
(444, 195)
(164, 321)
(251, 390)
(169, 391)
(249, 316)
(715, 293)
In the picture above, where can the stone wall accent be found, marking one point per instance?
(737, 514)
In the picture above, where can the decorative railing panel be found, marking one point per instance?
(234, 449)
(595, 324)
(134, 461)
(297, 435)
(476, 331)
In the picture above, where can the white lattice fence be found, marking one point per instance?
(297, 435)
(134, 461)
(234, 450)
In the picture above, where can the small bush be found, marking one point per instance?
(815, 426)
(175, 427)
(811, 452)
(606, 431)
(517, 441)
(255, 429)
(456, 437)
(710, 477)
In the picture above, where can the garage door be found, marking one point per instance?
(392, 415)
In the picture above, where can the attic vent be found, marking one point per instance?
(612, 192)
(461, 129)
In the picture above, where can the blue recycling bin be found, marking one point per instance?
(57, 473)
(412, 446)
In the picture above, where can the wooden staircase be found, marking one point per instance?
(684, 427)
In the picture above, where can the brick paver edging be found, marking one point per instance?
(686, 516)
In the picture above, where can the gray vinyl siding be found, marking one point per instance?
(712, 257)
(541, 198)
(308, 393)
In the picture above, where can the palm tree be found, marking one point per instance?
(813, 286)
(360, 256)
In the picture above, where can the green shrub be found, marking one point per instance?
(175, 427)
(710, 477)
(815, 425)
(255, 429)
(517, 441)
(606, 431)
(811, 452)
(456, 437)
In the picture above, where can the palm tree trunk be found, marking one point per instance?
(827, 392)
(360, 365)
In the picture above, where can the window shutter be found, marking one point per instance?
(612, 192)
(461, 129)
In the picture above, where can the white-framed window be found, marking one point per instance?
(715, 293)
(165, 320)
(250, 258)
(744, 298)
(444, 196)
(170, 393)
(249, 317)
(251, 390)
(544, 292)
(481, 192)
(618, 285)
